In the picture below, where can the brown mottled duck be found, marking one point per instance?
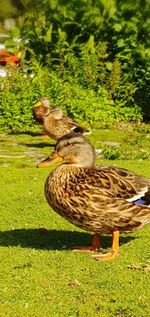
(55, 123)
(98, 198)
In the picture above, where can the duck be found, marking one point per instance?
(55, 122)
(102, 199)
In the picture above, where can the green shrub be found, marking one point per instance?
(90, 57)
(99, 43)
(111, 153)
(25, 85)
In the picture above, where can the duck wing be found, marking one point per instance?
(105, 196)
(72, 125)
(125, 184)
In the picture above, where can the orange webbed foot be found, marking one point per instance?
(86, 249)
(104, 257)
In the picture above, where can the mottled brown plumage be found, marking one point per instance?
(100, 199)
(55, 122)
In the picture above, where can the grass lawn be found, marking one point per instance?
(40, 275)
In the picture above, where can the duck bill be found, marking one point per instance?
(53, 158)
(38, 104)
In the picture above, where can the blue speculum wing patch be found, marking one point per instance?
(141, 201)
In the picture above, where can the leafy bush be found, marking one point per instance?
(25, 85)
(100, 43)
(111, 153)
(89, 57)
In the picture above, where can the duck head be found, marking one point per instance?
(73, 149)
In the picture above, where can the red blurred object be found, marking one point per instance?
(11, 59)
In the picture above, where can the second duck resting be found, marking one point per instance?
(55, 122)
(97, 198)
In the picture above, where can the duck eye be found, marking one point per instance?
(77, 130)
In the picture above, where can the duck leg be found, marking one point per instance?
(95, 245)
(114, 251)
(45, 135)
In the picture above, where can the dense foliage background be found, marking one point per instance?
(91, 57)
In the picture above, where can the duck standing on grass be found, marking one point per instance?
(98, 198)
(54, 121)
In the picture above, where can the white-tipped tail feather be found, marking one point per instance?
(139, 195)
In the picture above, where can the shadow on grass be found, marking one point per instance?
(52, 239)
(40, 145)
(31, 133)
